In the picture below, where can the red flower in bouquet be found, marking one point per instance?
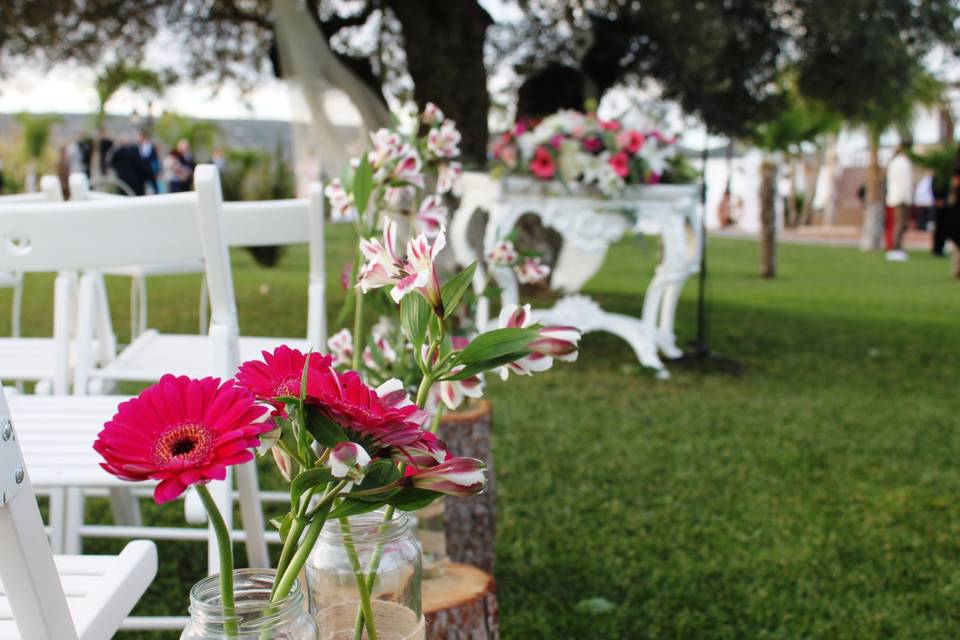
(609, 125)
(593, 145)
(280, 373)
(620, 163)
(182, 432)
(631, 141)
(542, 164)
(454, 476)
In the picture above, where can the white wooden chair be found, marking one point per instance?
(245, 224)
(43, 597)
(80, 190)
(57, 433)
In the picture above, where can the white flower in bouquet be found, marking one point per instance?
(571, 160)
(444, 141)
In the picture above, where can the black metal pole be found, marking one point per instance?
(700, 345)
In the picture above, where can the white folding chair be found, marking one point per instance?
(245, 224)
(80, 190)
(58, 432)
(43, 597)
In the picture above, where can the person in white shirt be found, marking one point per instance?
(900, 196)
(924, 202)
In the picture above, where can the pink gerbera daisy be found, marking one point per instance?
(182, 432)
(280, 373)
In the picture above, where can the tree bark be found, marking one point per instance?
(768, 219)
(791, 214)
(833, 181)
(872, 238)
(470, 523)
(811, 184)
(444, 41)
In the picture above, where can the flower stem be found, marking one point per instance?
(423, 391)
(357, 312)
(289, 546)
(365, 613)
(225, 548)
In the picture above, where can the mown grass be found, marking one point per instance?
(811, 497)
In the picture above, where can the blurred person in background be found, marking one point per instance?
(924, 202)
(900, 197)
(180, 165)
(148, 153)
(130, 167)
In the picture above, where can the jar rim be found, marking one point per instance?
(251, 589)
(368, 528)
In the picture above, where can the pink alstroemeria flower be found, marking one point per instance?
(453, 392)
(431, 114)
(620, 163)
(409, 169)
(416, 272)
(386, 148)
(503, 255)
(340, 345)
(444, 141)
(433, 215)
(559, 342)
(341, 203)
(349, 460)
(531, 271)
(448, 178)
(454, 477)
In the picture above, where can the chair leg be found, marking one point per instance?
(204, 307)
(142, 313)
(75, 503)
(251, 511)
(125, 508)
(56, 508)
(134, 306)
(16, 311)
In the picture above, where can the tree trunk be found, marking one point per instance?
(812, 181)
(461, 605)
(444, 42)
(790, 213)
(768, 219)
(470, 523)
(872, 238)
(833, 181)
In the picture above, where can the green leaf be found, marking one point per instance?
(452, 292)
(362, 185)
(308, 480)
(282, 525)
(496, 344)
(412, 498)
(378, 474)
(483, 366)
(595, 606)
(414, 316)
(323, 429)
(353, 507)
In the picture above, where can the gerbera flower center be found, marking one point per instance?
(185, 443)
(289, 386)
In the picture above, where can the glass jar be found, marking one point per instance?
(352, 550)
(255, 618)
(431, 532)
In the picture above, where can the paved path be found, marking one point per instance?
(833, 236)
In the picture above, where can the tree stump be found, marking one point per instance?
(470, 523)
(461, 604)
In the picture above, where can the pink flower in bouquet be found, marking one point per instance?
(503, 255)
(454, 476)
(431, 114)
(542, 164)
(593, 145)
(509, 156)
(341, 204)
(531, 271)
(448, 178)
(520, 128)
(631, 141)
(556, 141)
(559, 342)
(620, 163)
(654, 178)
(397, 197)
(340, 345)
(182, 432)
(279, 374)
(578, 131)
(416, 272)
(453, 392)
(348, 460)
(609, 125)
(444, 141)
(433, 215)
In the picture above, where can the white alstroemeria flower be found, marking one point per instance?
(433, 215)
(448, 179)
(554, 342)
(415, 272)
(444, 141)
(340, 345)
(531, 271)
(504, 254)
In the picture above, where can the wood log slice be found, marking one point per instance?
(460, 603)
(470, 523)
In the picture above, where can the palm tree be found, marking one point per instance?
(36, 137)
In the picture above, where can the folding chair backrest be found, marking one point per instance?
(27, 571)
(80, 189)
(287, 222)
(50, 191)
(123, 231)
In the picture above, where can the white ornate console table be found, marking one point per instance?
(589, 225)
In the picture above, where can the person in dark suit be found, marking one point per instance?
(130, 167)
(148, 153)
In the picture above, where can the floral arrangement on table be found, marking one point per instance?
(581, 148)
(353, 440)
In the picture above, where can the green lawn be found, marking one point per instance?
(813, 497)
